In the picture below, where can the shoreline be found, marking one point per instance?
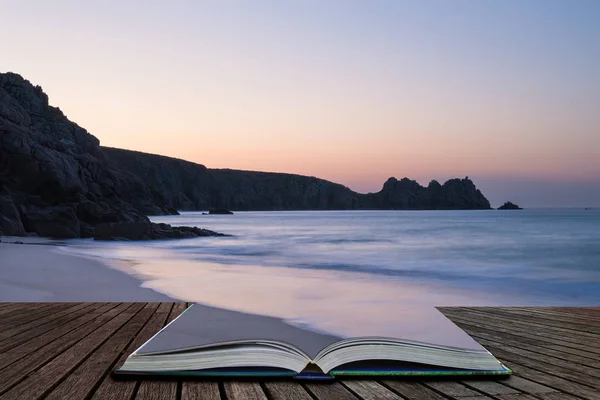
(36, 271)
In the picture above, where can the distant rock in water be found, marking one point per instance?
(220, 211)
(57, 181)
(509, 206)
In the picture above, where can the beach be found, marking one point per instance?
(325, 271)
(36, 272)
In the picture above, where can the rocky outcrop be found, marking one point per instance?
(195, 187)
(10, 219)
(220, 211)
(509, 206)
(145, 231)
(56, 180)
(406, 194)
(54, 177)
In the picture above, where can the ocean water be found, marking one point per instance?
(330, 270)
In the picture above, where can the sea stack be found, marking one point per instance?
(509, 206)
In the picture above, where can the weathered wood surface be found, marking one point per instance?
(67, 351)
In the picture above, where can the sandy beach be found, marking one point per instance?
(35, 271)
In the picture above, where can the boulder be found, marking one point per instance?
(56, 222)
(10, 219)
(147, 231)
(220, 211)
(509, 206)
(123, 230)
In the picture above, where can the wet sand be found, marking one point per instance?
(36, 272)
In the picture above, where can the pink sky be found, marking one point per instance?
(345, 92)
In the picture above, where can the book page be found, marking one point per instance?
(203, 325)
(415, 323)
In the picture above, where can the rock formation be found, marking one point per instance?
(54, 178)
(509, 206)
(220, 211)
(195, 187)
(144, 231)
(57, 181)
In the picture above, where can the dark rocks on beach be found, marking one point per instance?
(220, 211)
(509, 206)
(147, 231)
(59, 222)
(10, 220)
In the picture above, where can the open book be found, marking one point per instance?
(207, 341)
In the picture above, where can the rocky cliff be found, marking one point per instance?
(189, 186)
(56, 180)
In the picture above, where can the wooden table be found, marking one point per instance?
(67, 350)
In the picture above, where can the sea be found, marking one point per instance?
(335, 270)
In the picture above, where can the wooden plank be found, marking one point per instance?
(111, 388)
(514, 325)
(25, 336)
(21, 350)
(45, 378)
(557, 315)
(244, 391)
(537, 345)
(554, 381)
(479, 397)
(505, 342)
(531, 323)
(10, 307)
(527, 386)
(197, 390)
(451, 388)
(155, 390)
(546, 320)
(541, 396)
(370, 390)
(412, 390)
(542, 335)
(577, 373)
(18, 310)
(17, 371)
(283, 390)
(167, 388)
(333, 390)
(491, 388)
(580, 312)
(28, 314)
(176, 311)
(21, 312)
(545, 369)
(556, 396)
(519, 397)
(80, 382)
(36, 320)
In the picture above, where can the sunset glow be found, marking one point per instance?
(353, 92)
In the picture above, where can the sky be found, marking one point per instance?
(505, 92)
